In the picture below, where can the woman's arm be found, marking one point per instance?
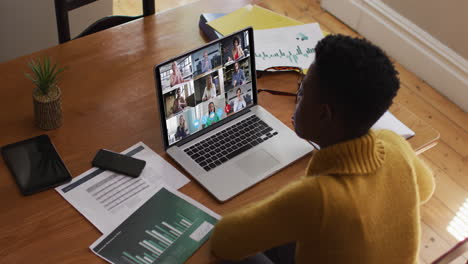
(275, 221)
(240, 51)
(205, 95)
(172, 80)
(236, 78)
(182, 102)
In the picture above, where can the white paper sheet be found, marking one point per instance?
(286, 46)
(106, 199)
(390, 122)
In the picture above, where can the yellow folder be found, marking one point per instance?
(251, 15)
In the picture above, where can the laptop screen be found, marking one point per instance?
(206, 86)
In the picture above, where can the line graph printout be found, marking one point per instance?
(286, 46)
(168, 228)
(293, 56)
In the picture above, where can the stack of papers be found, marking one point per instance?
(144, 220)
(251, 16)
(279, 40)
(106, 198)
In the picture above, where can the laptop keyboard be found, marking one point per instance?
(230, 142)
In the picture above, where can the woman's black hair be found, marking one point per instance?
(357, 77)
(209, 106)
(236, 38)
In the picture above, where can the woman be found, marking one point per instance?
(179, 103)
(239, 102)
(176, 75)
(210, 89)
(237, 51)
(212, 116)
(182, 130)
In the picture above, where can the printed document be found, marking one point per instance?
(286, 46)
(106, 198)
(390, 122)
(168, 228)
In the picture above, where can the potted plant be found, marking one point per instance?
(46, 95)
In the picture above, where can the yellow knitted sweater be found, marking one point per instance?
(358, 203)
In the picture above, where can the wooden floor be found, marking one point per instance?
(448, 160)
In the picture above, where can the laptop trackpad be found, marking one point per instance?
(257, 163)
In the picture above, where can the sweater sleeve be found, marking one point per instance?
(424, 179)
(286, 216)
(423, 175)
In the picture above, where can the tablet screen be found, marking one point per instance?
(35, 164)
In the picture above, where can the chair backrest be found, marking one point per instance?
(457, 251)
(62, 7)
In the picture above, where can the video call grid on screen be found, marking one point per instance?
(206, 86)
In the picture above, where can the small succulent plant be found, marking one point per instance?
(44, 74)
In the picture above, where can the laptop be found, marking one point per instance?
(211, 122)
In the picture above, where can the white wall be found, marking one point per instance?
(420, 52)
(446, 20)
(27, 26)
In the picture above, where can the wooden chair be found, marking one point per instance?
(457, 251)
(62, 7)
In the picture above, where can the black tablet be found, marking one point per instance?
(35, 164)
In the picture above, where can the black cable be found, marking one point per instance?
(274, 92)
(277, 69)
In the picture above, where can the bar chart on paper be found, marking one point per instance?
(166, 229)
(162, 237)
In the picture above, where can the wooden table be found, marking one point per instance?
(109, 101)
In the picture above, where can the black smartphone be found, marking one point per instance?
(119, 163)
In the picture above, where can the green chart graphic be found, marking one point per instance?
(166, 229)
(292, 55)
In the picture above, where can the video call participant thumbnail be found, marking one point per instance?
(238, 98)
(210, 89)
(206, 63)
(212, 115)
(176, 75)
(179, 102)
(239, 102)
(182, 130)
(234, 48)
(206, 60)
(210, 112)
(238, 76)
(237, 51)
